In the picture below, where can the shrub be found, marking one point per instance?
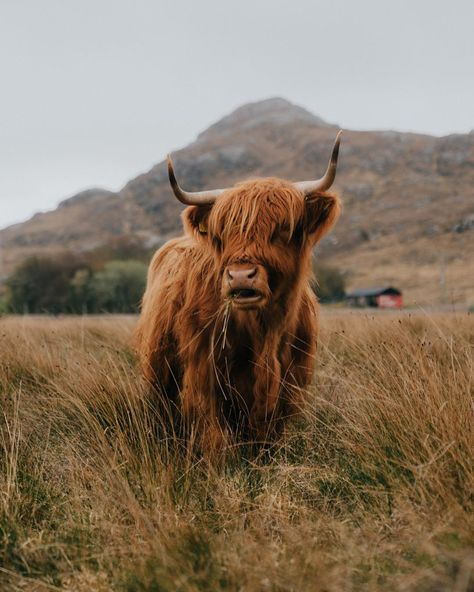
(3, 306)
(329, 283)
(41, 285)
(119, 286)
(68, 284)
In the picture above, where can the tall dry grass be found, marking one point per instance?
(371, 490)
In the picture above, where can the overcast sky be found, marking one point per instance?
(94, 92)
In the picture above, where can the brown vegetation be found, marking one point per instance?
(371, 490)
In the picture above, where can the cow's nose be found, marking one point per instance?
(241, 277)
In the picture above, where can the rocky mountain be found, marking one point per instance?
(408, 199)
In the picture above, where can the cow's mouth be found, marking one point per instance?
(245, 296)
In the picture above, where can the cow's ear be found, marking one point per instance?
(195, 220)
(321, 213)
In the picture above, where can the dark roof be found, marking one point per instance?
(373, 292)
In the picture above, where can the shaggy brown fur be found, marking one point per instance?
(233, 373)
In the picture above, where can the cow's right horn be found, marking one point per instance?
(325, 182)
(191, 198)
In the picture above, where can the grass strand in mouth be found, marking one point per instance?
(228, 306)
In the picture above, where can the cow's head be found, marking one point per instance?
(261, 232)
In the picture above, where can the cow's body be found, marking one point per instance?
(254, 366)
(229, 321)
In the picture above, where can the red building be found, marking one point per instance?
(384, 297)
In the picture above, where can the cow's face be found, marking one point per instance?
(261, 234)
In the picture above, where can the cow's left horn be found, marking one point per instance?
(327, 180)
(191, 198)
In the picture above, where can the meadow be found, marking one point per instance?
(372, 488)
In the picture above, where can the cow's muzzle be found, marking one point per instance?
(244, 285)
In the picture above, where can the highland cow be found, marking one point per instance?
(229, 321)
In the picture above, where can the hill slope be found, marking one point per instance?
(408, 198)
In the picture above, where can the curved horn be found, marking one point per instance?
(189, 198)
(327, 180)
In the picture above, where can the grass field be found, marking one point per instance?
(373, 489)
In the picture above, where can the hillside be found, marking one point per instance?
(408, 199)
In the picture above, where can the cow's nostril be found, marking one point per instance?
(252, 273)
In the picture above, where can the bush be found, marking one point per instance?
(119, 287)
(68, 284)
(329, 284)
(3, 306)
(41, 285)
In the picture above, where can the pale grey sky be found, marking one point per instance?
(94, 92)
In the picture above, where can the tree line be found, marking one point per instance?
(108, 280)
